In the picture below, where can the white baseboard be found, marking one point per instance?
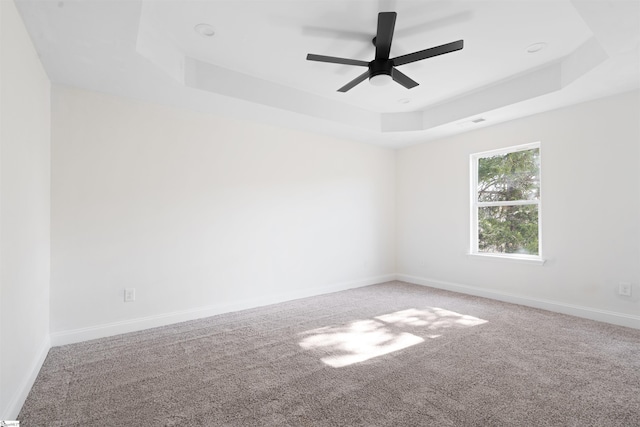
(615, 318)
(17, 400)
(138, 324)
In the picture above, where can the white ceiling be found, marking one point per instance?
(254, 66)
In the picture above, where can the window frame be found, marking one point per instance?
(475, 205)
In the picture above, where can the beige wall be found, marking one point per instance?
(203, 214)
(590, 209)
(24, 212)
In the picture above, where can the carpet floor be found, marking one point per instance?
(392, 354)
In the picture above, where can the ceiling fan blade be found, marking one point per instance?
(354, 82)
(384, 36)
(403, 79)
(335, 60)
(428, 53)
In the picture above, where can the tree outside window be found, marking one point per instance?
(506, 202)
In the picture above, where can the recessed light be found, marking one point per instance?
(204, 30)
(404, 100)
(536, 47)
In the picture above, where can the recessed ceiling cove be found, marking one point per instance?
(251, 57)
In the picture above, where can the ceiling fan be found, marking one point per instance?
(381, 69)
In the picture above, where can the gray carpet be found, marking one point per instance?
(392, 354)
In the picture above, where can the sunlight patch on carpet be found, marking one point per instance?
(361, 340)
(432, 318)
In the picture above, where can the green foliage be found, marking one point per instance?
(509, 177)
(508, 229)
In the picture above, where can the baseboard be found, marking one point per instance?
(15, 404)
(614, 318)
(138, 324)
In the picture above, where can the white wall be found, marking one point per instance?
(203, 214)
(590, 210)
(24, 212)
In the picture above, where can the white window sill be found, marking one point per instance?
(509, 258)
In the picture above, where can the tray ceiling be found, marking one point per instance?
(254, 66)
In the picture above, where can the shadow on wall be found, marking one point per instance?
(344, 345)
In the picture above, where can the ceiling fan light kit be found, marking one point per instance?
(380, 80)
(382, 69)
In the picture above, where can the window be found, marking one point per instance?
(505, 202)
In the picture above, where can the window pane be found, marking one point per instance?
(508, 229)
(508, 177)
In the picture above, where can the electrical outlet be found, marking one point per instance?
(624, 288)
(129, 294)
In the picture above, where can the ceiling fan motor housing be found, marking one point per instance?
(380, 66)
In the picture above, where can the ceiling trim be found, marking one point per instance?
(209, 77)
